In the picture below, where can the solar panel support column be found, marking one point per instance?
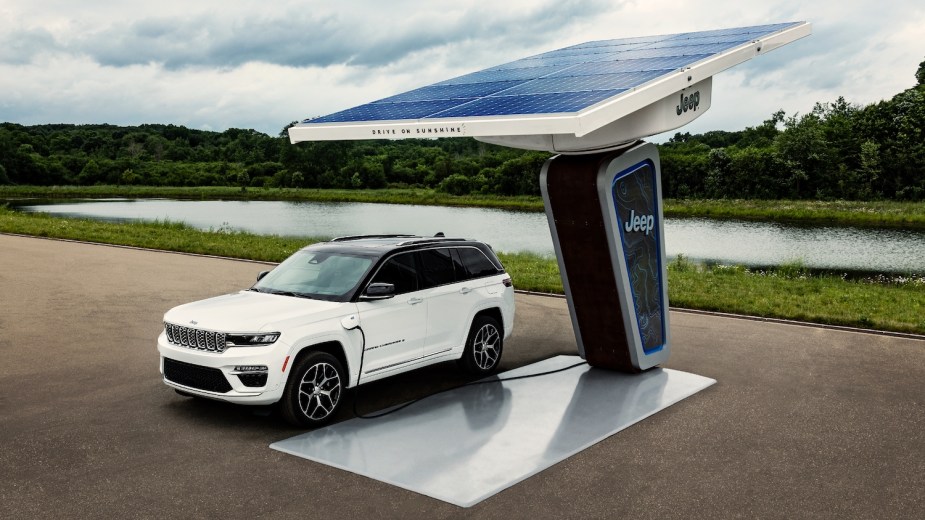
(605, 215)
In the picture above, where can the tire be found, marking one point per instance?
(314, 390)
(483, 346)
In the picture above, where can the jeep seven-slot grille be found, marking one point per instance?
(195, 376)
(195, 338)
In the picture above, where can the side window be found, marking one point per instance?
(476, 262)
(461, 273)
(399, 271)
(438, 267)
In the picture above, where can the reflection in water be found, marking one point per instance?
(728, 242)
(760, 243)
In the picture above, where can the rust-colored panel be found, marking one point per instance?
(573, 199)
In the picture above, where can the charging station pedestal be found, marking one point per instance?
(605, 215)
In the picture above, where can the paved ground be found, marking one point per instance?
(804, 422)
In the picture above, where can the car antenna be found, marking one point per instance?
(439, 234)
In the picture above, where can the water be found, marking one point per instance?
(729, 242)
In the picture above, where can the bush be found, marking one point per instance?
(456, 184)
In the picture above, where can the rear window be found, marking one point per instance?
(476, 263)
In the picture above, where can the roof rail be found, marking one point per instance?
(432, 240)
(360, 237)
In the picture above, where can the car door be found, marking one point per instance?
(394, 327)
(448, 298)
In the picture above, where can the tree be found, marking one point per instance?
(920, 74)
(90, 173)
(244, 180)
(3, 178)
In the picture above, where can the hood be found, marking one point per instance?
(249, 311)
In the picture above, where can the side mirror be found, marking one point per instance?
(262, 274)
(378, 291)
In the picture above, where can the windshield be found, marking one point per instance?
(312, 274)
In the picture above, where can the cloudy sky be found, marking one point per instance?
(217, 64)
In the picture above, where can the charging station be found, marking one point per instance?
(605, 213)
(591, 104)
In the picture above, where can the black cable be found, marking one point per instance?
(360, 373)
(473, 383)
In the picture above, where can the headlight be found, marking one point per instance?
(251, 340)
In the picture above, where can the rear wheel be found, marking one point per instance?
(483, 346)
(314, 390)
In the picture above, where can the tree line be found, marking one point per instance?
(169, 155)
(838, 150)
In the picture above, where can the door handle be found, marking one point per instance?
(415, 301)
(465, 290)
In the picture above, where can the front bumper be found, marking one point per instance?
(274, 357)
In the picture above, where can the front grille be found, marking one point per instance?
(253, 380)
(195, 376)
(195, 338)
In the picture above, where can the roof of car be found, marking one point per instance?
(381, 244)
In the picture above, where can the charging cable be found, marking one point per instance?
(356, 398)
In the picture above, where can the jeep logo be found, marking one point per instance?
(688, 103)
(639, 223)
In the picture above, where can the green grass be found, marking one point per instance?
(422, 196)
(169, 236)
(903, 215)
(789, 291)
(792, 292)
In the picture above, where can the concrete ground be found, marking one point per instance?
(804, 422)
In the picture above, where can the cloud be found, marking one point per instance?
(23, 46)
(300, 37)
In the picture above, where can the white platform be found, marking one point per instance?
(465, 445)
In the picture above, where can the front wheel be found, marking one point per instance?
(483, 346)
(314, 390)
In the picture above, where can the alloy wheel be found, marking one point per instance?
(485, 347)
(319, 391)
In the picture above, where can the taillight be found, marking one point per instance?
(507, 282)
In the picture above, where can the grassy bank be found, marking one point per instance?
(903, 215)
(426, 197)
(788, 292)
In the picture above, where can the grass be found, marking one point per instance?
(880, 214)
(789, 291)
(792, 292)
(421, 196)
(902, 215)
(169, 236)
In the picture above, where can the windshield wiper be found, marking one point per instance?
(288, 293)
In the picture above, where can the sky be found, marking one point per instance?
(219, 64)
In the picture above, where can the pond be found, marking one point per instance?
(721, 241)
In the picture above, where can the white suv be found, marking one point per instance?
(338, 314)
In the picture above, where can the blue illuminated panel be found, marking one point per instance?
(564, 81)
(635, 200)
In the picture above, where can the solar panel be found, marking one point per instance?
(574, 90)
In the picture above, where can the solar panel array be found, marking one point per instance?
(567, 80)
